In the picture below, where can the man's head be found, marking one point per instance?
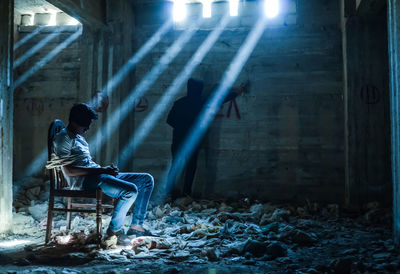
(194, 88)
(80, 117)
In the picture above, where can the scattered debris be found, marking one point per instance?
(240, 233)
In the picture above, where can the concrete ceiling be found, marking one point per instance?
(34, 6)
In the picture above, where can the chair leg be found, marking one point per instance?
(69, 203)
(99, 210)
(49, 218)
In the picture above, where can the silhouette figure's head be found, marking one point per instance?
(194, 88)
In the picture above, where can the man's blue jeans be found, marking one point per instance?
(127, 188)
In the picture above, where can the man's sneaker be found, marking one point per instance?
(122, 239)
(137, 233)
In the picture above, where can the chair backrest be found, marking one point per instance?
(57, 180)
(55, 127)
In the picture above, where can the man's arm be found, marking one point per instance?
(72, 171)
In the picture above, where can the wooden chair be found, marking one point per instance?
(59, 188)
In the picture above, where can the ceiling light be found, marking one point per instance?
(233, 7)
(206, 8)
(179, 10)
(271, 8)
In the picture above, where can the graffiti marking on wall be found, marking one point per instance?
(101, 102)
(232, 104)
(370, 94)
(142, 105)
(34, 106)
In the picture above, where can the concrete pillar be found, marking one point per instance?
(119, 49)
(104, 52)
(6, 113)
(394, 58)
(367, 118)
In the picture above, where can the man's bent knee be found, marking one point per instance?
(130, 191)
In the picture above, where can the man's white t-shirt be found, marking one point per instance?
(67, 144)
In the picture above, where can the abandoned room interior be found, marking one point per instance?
(199, 136)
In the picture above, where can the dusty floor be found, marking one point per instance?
(213, 237)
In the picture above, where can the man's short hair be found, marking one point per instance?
(82, 114)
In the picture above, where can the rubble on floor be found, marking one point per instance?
(307, 239)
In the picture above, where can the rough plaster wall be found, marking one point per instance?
(47, 95)
(288, 142)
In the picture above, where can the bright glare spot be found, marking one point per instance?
(271, 8)
(14, 243)
(233, 7)
(52, 21)
(64, 240)
(179, 10)
(73, 21)
(206, 8)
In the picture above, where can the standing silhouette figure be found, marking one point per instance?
(181, 118)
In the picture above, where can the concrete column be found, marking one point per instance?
(367, 118)
(394, 58)
(6, 113)
(104, 52)
(120, 48)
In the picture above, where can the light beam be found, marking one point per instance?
(129, 103)
(37, 164)
(37, 47)
(111, 84)
(134, 60)
(27, 37)
(147, 125)
(212, 106)
(47, 58)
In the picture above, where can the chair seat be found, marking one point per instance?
(74, 193)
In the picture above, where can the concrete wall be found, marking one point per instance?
(286, 137)
(288, 141)
(48, 94)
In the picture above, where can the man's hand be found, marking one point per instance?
(111, 170)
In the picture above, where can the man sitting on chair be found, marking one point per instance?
(85, 173)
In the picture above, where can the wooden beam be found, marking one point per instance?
(370, 6)
(89, 12)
